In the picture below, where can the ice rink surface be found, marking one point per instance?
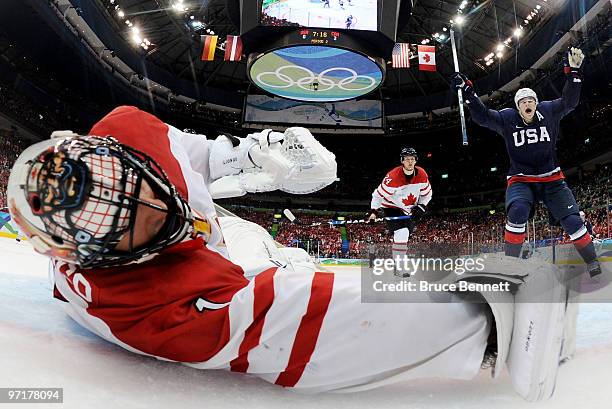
(41, 347)
(309, 13)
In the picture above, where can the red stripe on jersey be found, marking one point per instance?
(263, 294)
(583, 241)
(426, 193)
(533, 179)
(384, 190)
(143, 131)
(381, 195)
(389, 206)
(514, 238)
(426, 187)
(308, 331)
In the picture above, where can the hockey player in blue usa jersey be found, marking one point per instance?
(531, 132)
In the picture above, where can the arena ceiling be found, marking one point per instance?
(487, 38)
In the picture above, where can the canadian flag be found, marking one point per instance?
(427, 58)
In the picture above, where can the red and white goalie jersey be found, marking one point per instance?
(291, 326)
(399, 191)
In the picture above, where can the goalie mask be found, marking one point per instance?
(76, 197)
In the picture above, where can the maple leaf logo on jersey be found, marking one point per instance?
(410, 200)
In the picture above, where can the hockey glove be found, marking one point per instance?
(314, 167)
(371, 215)
(572, 62)
(461, 82)
(418, 211)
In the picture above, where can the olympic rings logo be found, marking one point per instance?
(306, 82)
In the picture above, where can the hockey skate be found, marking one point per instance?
(594, 269)
(538, 333)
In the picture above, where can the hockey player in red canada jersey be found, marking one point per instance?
(141, 258)
(405, 191)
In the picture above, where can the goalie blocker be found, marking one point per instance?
(294, 162)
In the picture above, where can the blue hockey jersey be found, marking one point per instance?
(531, 147)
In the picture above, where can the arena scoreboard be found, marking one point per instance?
(318, 51)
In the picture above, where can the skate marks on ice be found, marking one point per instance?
(41, 347)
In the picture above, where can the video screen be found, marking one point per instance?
(339, 14)
(273, 110)
(316, 73)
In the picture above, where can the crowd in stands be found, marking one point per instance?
(442, 232)
(276, 22)
(38, 118)
(10, 148)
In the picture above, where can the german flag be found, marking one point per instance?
(210, 44)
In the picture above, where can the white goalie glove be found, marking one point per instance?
(293, 162)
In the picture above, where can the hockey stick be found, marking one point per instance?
(289, 215)
(459, 92)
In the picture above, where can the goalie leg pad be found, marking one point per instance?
(250, 246)
(298, 259)
(537, 337)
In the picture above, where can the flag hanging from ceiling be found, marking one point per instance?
(233, 48)
(210, 44)
(400, 57)
(427, 58)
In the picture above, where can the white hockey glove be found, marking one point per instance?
(293, 162)
(575, 57)
(228, 155)
(572, 63)
(252, 164)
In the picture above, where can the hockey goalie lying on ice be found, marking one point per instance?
(141, 259)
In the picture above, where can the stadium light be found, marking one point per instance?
(459, 20)
(493, 169)
(499, 54)
(121, 14)
(445, 176)
(518, 32)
